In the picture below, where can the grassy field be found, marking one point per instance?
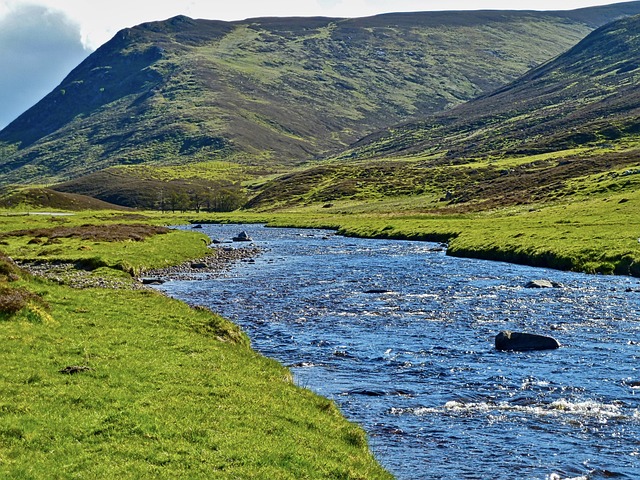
(102, 383)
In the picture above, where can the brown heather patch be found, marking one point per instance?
(9, 271)
(531, 183)
(12, 300)
(97, 233)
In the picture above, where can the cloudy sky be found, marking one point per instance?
(42, 40)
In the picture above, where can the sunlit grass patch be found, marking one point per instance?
(99, 383)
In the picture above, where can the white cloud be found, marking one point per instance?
(38, 48)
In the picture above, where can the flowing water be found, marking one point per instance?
(401, 337)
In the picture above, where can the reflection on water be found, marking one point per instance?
(401, 337)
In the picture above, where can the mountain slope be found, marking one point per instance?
(569, 127)
(587, 95)
(273, 90)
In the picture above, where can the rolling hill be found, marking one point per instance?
(274, 91)
(586, 95)
(571, 125)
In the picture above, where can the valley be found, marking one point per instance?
(503, 135)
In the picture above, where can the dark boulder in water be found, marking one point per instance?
(377, 290)
(522, 342)
(242, 237)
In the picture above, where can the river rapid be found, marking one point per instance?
(401, 337)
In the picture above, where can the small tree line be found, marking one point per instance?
(208, 200)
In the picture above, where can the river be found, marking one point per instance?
(401, 337)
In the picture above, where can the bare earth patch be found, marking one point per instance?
(97, 233)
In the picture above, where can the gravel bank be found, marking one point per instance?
(220, 260)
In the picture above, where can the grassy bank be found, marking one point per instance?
(593, 234)
(101, 383)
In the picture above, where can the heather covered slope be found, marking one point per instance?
(274, 91)
(571, 125)
(585, 96)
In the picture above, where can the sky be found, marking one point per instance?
(41, 41)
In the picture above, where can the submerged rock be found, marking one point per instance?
(522, 342)
(377, 290)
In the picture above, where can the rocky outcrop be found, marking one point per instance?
(522, 342)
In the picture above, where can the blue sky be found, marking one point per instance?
(41, 41)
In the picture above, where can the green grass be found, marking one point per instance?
(160, 389)
(589, 233)
(172, 392)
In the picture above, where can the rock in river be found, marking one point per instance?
(522, 342)
(242, 237)
(543, 284)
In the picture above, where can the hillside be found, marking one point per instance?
(45, 198)
(586, 95)
(554, 132)
(274, 91)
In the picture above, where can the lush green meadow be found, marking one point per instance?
(105, 383)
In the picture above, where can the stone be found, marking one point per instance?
(242, 237)
(543, 284)
(73, 369)
(522, 342)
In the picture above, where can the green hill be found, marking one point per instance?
(586, 95)
(274, 91)
(45, 198)
(570, 125)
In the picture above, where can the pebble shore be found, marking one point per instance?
(221, 259)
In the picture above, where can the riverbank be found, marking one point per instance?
(107, 383)
(590, 235)
(170, 391)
